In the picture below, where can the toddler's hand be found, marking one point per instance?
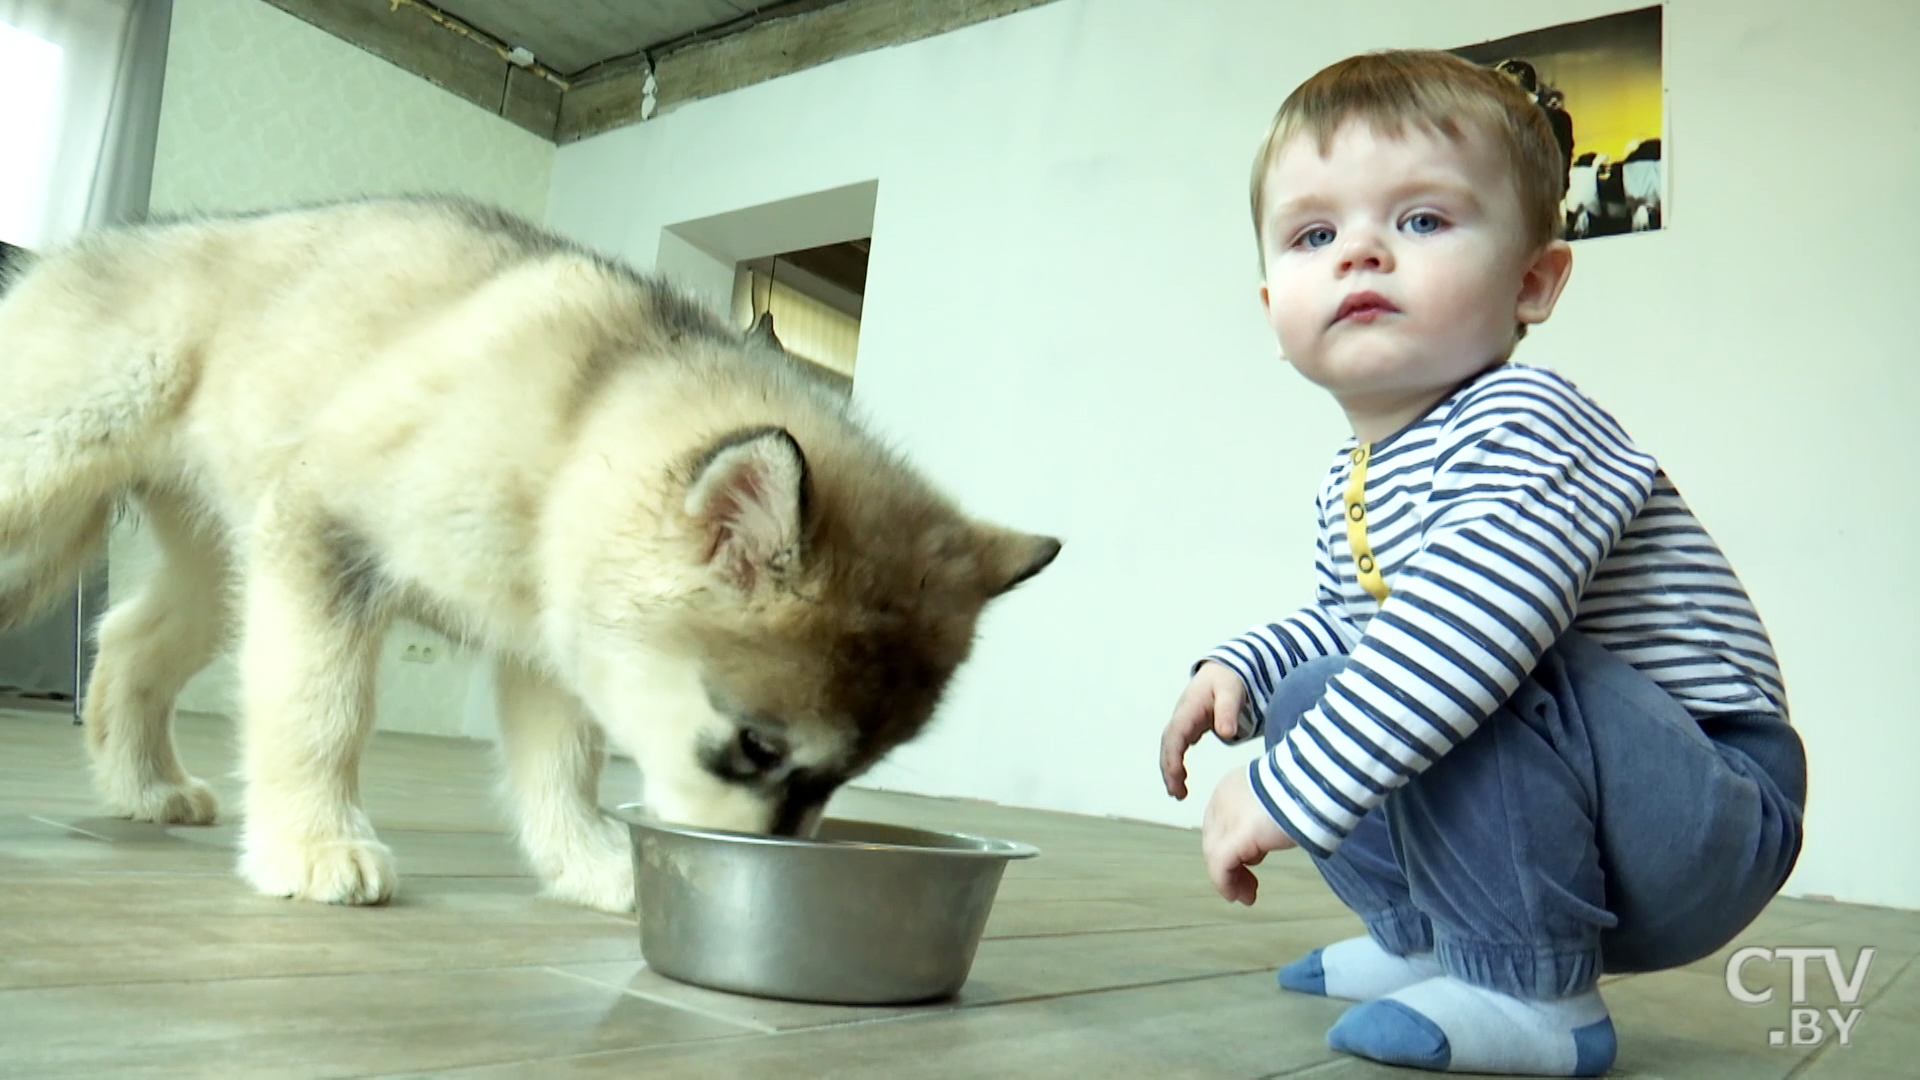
(1238, 833)
(1212, 699)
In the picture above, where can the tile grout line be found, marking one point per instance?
(355, 973)
(917, 1014)
(1098, 933)
(64, 827)
(1162, 929)
(1236, 973)
(1309, 1070)
(439, 1070)
(750, 1024)
(925, 1013)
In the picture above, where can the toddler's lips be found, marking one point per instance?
(1364, 307)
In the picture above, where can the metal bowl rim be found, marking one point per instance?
(991, 847)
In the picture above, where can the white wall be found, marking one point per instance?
(1062, 328)
(260, 110)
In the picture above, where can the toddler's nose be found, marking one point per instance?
(1365, 251)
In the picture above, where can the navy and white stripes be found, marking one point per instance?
(1515, 510)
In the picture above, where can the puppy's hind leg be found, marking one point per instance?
(310, 632)
(150, 646)
(554, 754)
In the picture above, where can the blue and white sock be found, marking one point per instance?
(1357, 969)
(1446, 1025)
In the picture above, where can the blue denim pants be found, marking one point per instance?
(1590, 826)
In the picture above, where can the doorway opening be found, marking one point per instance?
(799, 263)
(811, 299)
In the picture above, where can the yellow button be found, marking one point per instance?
(1356, 511)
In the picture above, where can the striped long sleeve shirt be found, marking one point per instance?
(1451, 556)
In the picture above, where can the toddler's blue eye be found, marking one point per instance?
(1424, 223)
(1318, 236)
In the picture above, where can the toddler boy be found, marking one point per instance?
(1530, 728)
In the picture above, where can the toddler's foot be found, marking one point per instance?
(1447, 1025)
(1357, 969)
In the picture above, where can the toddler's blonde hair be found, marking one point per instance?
(1436, 90)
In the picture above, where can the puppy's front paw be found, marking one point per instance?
(327, 871)
(599, 874)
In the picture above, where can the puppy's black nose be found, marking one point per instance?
(791, 816)
(802, 794)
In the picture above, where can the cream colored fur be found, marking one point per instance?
(337, 416)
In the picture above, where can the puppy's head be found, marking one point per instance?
(831, 597)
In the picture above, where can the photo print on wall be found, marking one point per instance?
(1601, 83)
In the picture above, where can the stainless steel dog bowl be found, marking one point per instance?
(859, 914)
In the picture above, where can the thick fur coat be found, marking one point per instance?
(661, 531)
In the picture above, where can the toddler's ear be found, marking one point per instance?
(1541, 284)
(1266, 305)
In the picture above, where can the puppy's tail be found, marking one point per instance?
(45, 565)
(87, 391)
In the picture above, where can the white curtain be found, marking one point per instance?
(806, 327)
(80, 84)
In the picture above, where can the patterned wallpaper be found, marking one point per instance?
(262, 109)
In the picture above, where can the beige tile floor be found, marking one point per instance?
(131, 950)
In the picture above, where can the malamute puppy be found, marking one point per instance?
(659, 530)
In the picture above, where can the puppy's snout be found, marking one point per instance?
(799, 815)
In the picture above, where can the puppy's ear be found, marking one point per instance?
(1008, 558)
(748, 504)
